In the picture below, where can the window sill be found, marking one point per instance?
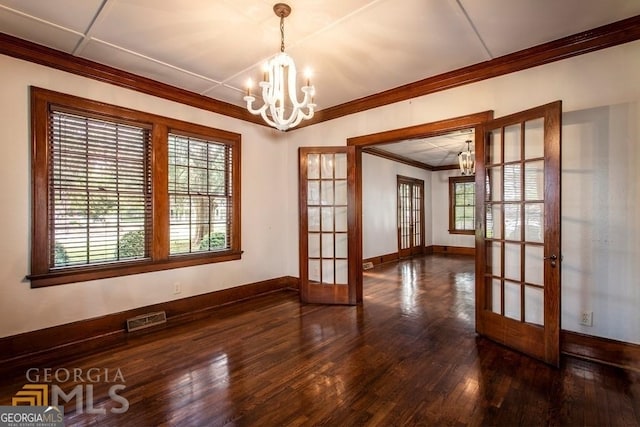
(105, 271)
(469, 232)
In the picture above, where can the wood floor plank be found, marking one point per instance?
(408, 356)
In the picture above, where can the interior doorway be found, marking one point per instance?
(410, 216)
(538, 128)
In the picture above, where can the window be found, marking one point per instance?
(98, 190)
(200, 189)
(118, 191)
(462, 205)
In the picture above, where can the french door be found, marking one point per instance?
(410, 216)
(329, 226)
(518, 232)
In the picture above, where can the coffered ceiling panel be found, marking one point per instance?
(145, 66)
(505, 24)
(356, 48)
(74, 15)
(25, 27)
(437, 151)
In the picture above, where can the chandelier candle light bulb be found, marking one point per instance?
(279, 77)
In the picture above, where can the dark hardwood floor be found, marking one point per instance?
(408, 356)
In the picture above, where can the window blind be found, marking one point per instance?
(99, 189)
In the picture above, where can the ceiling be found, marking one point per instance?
(355, 48)
(434, 152)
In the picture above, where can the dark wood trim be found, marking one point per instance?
(427, 250)
(160, 206)
(425, 130)
(28, 51)
(415, 248)
(610, 35)
(603, 37)
(445, 168)
(396, 158)
(453, 180)
(382, 259)
(455, 250)
(321, 292)
(603, 350)
(292, 283)
(42, 100)
(75, 338)
(521, 335)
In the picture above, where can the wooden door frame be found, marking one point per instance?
(425, 130)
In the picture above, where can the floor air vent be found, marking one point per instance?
(146, 321)
(367, 265)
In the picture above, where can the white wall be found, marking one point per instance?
(440, 202)
(380, 204)
(264, 208)
(600, 93)
(600, 219)
(599, 222)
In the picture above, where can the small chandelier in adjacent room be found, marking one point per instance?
(281, 108)
(467, 160)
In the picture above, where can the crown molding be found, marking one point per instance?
(603, 37)
(32, 52)
(609, 35)
(396, 158)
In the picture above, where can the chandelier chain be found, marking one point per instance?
(281, 33)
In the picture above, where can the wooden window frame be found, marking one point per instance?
(452, 203)
(42, 272)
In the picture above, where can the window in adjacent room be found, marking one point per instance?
(118, 191)
(462, 206)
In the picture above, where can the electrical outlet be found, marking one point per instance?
(177, 288)
(587, 318)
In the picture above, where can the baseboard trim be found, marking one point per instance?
(382, 259)
(602, 350)
(86, 336)
(428, 250)
(455, 250)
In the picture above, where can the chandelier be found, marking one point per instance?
(467, 160)
(281, 108)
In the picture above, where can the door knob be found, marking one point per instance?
(553, 258)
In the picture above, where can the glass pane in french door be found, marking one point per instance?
(327, 251)
(416, 217)
(404, 215)
(514, 221)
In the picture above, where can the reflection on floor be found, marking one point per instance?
(408, 356)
